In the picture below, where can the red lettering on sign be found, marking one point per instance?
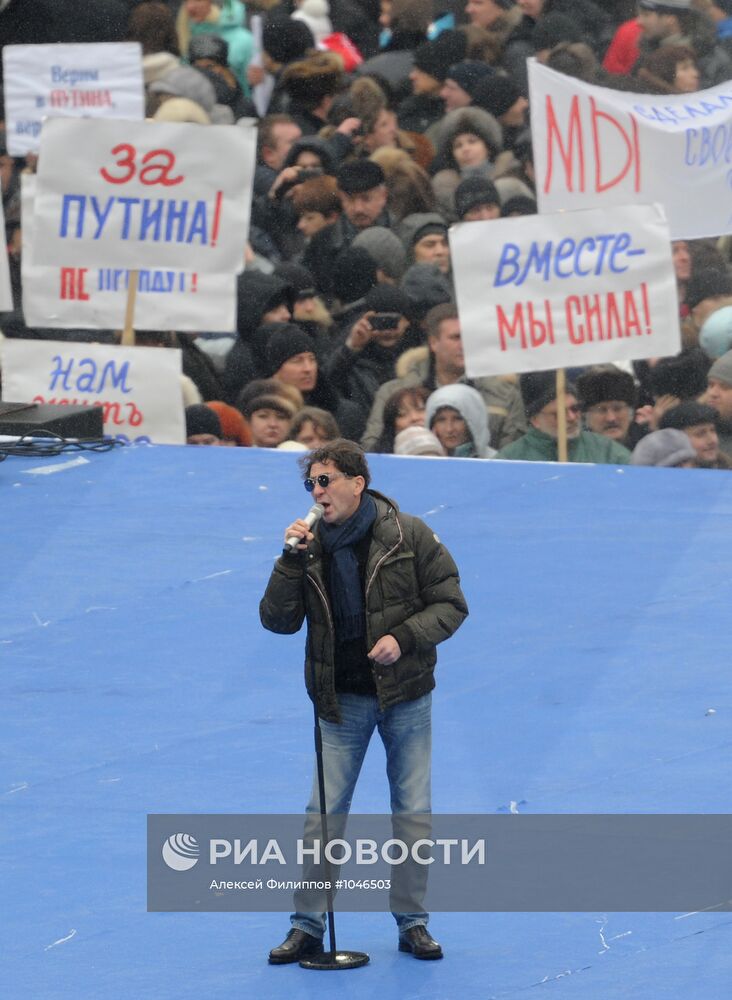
(152, 172)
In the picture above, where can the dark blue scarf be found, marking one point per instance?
(339, 541)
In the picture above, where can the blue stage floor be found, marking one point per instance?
(592, 676)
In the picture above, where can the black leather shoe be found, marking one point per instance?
(298, 944)
(418, 942)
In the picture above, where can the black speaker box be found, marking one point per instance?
(81, 422)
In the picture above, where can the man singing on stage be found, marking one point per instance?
(379, 591)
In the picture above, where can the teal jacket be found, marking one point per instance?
(230, 27)
(536, 446)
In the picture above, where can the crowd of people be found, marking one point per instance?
(379, 125)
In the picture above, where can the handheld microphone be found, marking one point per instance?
(311, 519)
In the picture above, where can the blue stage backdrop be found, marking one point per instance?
(592, 676)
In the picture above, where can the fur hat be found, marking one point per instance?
(312, 79)
(368, 100)
(684, 375)
(417, 441)
(284, 342)
(270, 401)
(357, 176)
(601, 385)
(181, 109)
(665, 448)
(538, 389)
(470, 119)
(233, 425)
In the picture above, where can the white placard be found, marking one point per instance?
(84, 298)
(71, 81)
(144, 195)
(6, 292)
(138, 387)
(600, 148)
(565, 290)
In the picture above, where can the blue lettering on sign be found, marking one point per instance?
(668, 114)
(569, 258)
(145, 220)
(707, 146)
(73, 76)
(84, 375)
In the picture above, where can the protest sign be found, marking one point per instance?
(95, 298)
(576, 288)
(6, 294)
(144, 195)
(139, 388)
(73, 81)
(600, 148)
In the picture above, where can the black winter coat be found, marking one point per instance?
(412, 591)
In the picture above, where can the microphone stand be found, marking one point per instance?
(334, 958)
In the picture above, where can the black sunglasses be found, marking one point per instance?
(324, 480)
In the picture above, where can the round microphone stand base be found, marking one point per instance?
(328, 961)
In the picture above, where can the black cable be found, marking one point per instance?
(48, 444)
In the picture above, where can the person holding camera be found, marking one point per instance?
(366, 358)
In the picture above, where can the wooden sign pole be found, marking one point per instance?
(128, 334)
(561, 415)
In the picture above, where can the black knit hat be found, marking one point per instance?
(689, 414)
(284, 342)
(538, 389)
(520, 204)
(353, 274)
(209, 47)
(708, 283)
(285, 39)
(474, 191)
(496, 94)
(435, 58)
(601, 386)
(469, 73)
(426, 286)
(388, 299)
(201, 419)
(553, 28)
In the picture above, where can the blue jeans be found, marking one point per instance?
(406, 732)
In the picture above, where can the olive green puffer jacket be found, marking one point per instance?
(412, 591)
